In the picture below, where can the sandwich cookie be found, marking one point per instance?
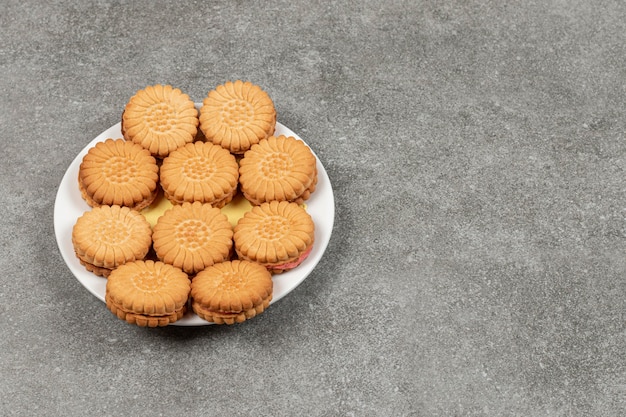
(278, 235)
(236, 115)
(192, 236)
(200, 171)
(116, 172)
(279, 168)
(231, 292)
(109, 236)
(148, 293)
(160, 118)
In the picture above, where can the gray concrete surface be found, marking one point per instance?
(476, 148)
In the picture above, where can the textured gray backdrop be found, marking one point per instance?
(477, 154)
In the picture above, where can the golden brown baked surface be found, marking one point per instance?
(231, 292)
(157, 198)
(147, 293)
(236, 115)
(200, 171)
(117, 172)
(160, 118)
(274, 234)
(143, 320)
(279, 168)
(109, 236)
(192, 236)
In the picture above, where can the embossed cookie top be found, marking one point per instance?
(200, 171)
(148, 287)
(277, 168)
(231, 287)
(274, 232)
(117, 172)
(161, 119)
(192, 236)
(109, 236)
(236, 115)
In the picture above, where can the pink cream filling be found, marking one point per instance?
(291, 265)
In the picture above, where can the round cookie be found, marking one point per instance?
(279, 168)
(231, 292)
(200, 171)
(117, 172)
(236, 115)
(109, 236)
(160, 118)
(192, 236)
(148, 293)
(278, 235)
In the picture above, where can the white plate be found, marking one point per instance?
(69, 205)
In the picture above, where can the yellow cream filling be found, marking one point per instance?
(233, 210)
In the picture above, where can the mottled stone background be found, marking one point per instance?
(477, 155)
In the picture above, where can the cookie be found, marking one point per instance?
(160, 118)
(279, 168)
(109, 236)
(231, 292)
(200, 171)
(192, 236)
(236, 115)
(116, 172)
(278, 235)
(148, 293)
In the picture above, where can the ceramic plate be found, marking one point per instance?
(69, 205)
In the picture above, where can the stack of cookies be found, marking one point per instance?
(193, 257)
